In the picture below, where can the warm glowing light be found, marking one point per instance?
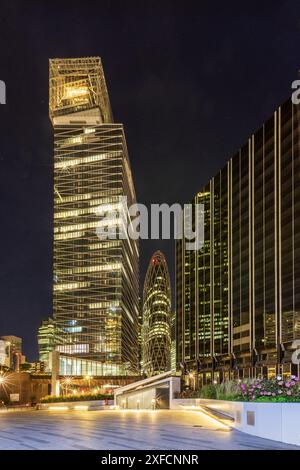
(4, 382)
(72, 92)
(55, 408)
(81, 407)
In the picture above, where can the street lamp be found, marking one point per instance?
(2, 380)
(67, 383)
(88, 378)
(192, 380)
(4, 383)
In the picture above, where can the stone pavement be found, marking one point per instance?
(127, 430)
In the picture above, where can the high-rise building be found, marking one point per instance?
(237, 299)
(156, 329)
(95, 292)
(46, 340)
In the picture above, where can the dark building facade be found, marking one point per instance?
(238, 298)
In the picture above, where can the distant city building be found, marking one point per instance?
(4, 353)
(95, 292)
(15, 351)
(46, 340)
(238, 298)
(37, 367)
(156, 329)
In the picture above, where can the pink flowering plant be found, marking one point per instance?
(277, 389)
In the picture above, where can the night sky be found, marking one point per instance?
(188, 84)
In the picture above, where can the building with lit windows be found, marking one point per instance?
(157, 316)
(46, 341)
(4, 354)
(14, 348)
(173, 342)
(238, 298)
(95, 291)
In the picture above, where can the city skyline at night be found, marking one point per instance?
(150, 242)
(175, 109)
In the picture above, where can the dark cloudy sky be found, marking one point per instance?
(189, 83)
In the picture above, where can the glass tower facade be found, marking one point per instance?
(95, 291)
(157, 317)
(46, 340)
(237, 299)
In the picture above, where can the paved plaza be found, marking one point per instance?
(127, 430)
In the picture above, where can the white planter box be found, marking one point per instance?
(276, 421)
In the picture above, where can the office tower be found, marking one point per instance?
(95, 292)
(46, 340)
(237, 299)
(156, 336)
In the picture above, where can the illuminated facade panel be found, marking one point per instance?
(95, 292)
(46, 341)
(157, 317)
(237, 299)
(75, 366)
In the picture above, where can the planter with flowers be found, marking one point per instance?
(276, 390)
(268, 408)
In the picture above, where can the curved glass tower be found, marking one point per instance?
(156, 330)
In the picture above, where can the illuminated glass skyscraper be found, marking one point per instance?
(157, 317)
(95, 292)
(46, 340)
(237, 299)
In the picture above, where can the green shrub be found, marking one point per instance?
(280, 399)
(208, 391)
(228, 390)
(276, 390)
(64, 398)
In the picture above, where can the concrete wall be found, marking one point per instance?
(137, 399)
(156, 391)
(276, 421)
(29, 388)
